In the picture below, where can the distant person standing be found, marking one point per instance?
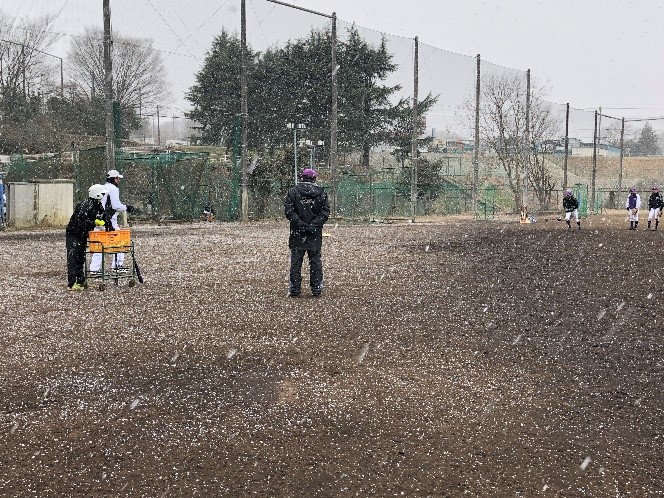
(307, 208)
(571, 207)
(112, 206)
(633, 205)
(655, 205)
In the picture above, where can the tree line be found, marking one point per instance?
(38, 108)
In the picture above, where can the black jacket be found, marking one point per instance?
(655, 201)
(570, 204)
(306, 204)
(83, 218)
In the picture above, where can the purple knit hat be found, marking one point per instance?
(309, 173)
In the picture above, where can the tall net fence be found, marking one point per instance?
(465, 162)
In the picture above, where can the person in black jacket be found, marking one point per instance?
(571, 206)
(655, 204)
(87, 215)
(307, 208)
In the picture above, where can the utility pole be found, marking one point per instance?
(526, 164)
(23, 66)
(244, 109)
(599, 128)
(594, 173)
(566, 148)
(334, 156)
(158, 130)
(108, 87)
(413, 147)
(622, 145)
(476, 152)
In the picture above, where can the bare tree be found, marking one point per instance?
(138, 69)
(503, 131)
(24, 66)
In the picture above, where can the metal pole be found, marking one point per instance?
(334, 157)
(622, 143)
(476, 154)
(245, 112)
(413, 151)
(566, 148)
(23, 66)
(108, 75)
(599, 128)
(62, 81)
(295, 151)
(594, 173)
(158, 129)
(526, 165)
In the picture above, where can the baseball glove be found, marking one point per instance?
(634, 211)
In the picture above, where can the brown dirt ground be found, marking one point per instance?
(452, 358)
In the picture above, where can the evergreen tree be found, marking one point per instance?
(216, 94)
(291, 84)
(647, 143)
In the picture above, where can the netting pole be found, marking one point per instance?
(108, 80)
(334, 157)
(244, 110)
(594, 172)
(622, 140)
(526, 169)
(476, 161)
(566, 147)
(413, 151)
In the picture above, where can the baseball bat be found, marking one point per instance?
(139, 277)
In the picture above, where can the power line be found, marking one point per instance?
(174, 32)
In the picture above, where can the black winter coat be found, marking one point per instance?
(570, 204)
(306, 204)
(83, 218)
(655, 201)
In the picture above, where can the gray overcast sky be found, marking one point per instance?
(590, 53)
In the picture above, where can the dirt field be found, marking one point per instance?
(456, 358)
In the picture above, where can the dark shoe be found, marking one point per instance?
(293, 293)
(316, 291)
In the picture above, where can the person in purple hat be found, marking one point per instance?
(307, 208)
(633, 205)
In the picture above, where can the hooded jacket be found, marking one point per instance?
(83, 218)
(655, 201)
(306, 204)
(570, 203)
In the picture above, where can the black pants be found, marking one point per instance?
(75, 260)
(315, 269)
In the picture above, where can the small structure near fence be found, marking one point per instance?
(39, 203)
